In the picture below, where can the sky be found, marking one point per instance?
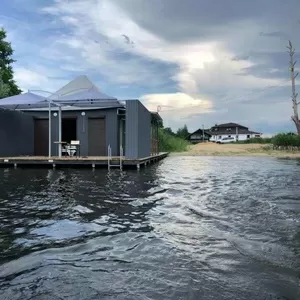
(199, 62)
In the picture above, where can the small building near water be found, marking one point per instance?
(101, 125)
(199, 136)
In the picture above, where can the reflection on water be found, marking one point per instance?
(188, 228)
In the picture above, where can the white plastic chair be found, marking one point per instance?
(74, 148)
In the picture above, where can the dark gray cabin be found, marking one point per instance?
(126, 127)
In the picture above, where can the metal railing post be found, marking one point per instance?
(108, 156)
(121, 157)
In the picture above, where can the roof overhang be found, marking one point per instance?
(156, 116)
(199, 131)
(70, 108)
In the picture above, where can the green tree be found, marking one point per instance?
(169, 130)
(8, 86)
(161, 124)
(183, 132)
(4, 88)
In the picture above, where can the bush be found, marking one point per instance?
(256, 141)
(286, 141)
(281, 141)
(171, 143)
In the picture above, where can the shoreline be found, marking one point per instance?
(274, 155)
(250, 150)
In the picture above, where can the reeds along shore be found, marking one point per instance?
(171, 143)
(281, 145)
(213, 149)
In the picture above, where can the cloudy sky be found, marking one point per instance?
(202, 62)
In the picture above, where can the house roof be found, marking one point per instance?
(155, 115)
(233, 132)
(200, 131)
(230, 124)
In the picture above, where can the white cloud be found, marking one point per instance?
(28, 79)
(33, 80)
(176, 102)
(175, 107)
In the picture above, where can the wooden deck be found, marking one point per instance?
(77, 162)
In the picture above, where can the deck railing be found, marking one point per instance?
(110, 158)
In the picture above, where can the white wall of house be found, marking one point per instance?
(241, 137)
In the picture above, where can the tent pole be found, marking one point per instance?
(50, 129)
(59, 131)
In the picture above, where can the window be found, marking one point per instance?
(196, 136)
(229, 136)
(220, 136)
(248, 136)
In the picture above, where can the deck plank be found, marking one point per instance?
(68, 161)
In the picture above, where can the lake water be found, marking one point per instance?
(187, 228)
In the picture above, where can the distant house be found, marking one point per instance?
(241, 133)
(199, 136)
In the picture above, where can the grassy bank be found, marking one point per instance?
(282, 141)
(234, 149)
(171, 143)
(281, 145)
(256, 141)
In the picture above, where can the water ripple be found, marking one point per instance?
(187, 228)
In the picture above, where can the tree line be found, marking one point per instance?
(181, 132)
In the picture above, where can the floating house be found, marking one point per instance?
(77, 115)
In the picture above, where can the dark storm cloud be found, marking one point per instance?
(265, 70)
(252, 32)
(238, 33)
(271, 94)
(184, 20)
(240, 57)
(269, 65)
(274, 34)
(286, 126)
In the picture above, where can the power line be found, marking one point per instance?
(261, 90)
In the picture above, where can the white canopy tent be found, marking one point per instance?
(80, 92)
(74, 86)
(25, 100)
